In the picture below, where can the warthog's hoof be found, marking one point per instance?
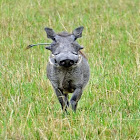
(73, 105)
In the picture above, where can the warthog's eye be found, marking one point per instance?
(53, 47)
(56, 53)
(77, 46)
(75, 53)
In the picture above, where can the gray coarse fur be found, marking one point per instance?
(67, 69)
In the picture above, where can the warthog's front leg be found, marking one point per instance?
(75, 98)
(62, 99)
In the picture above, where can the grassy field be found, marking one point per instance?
(110, 105)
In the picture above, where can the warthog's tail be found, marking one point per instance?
(32, 45)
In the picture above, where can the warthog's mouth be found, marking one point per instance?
(54, 63)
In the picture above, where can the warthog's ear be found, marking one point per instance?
(78, 32)
(50, 33)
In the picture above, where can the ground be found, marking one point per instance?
(110, 105)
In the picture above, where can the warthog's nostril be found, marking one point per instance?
(62, 63)
(66, 63)
(71, 62)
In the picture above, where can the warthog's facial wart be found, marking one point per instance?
(64, 48)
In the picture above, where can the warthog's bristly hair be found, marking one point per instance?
(64, 34)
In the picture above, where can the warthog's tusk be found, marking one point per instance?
(52, 63)
(80, 59)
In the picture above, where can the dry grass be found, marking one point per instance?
(110, 105)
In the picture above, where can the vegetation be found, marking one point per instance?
(110, 105)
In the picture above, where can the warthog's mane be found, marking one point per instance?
(64, 34)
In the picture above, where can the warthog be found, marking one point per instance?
(67, 69)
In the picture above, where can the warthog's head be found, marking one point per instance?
(64, 48)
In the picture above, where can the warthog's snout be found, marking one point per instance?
(66, 63)
(66, 59)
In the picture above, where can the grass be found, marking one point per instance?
(110, 105)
